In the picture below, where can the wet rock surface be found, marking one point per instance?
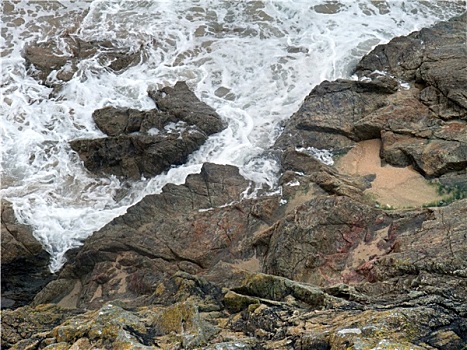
(410, 93)
(318, 266)
(24, 262)
(57, 60)
(146, 143)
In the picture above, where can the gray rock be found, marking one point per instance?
(318, 266)
(181, 102)
(46, 57)
(146, 143)
(327, 117)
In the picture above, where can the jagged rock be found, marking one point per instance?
(327, 117)
(62, 55)
(25, 325)
(431, 157)
(133, 156)
(423, 126)
(114, 121)
(235, 302)
(183, 104)
(182, 228)
(312, 175)
(146, 143)
(183, 286)
(17, 239)
(24, 262)
(269, 288)
(325, 240)
(264, 323)
(186, 227)
(433, 56)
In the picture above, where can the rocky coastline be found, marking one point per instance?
(325, 264)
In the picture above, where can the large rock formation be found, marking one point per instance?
(319, 266)
(406, 96)
(146, 143)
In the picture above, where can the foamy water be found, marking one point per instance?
(253, 61)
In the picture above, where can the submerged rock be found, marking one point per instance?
(61, 57)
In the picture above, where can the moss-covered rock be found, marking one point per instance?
(111, 325)
(235, 302)
(278, 288)
(23, 323)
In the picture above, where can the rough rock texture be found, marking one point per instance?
(61, 57)
(318, 266)
(24, 262)
(353, 275)
(179, 229)
(26, 323)
(327, 117)
(146, 143)
(424, 126)
(184, 105)
(422, 57)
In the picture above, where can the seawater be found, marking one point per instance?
(253, 61)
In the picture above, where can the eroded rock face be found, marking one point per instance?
(327, 117)
(360, 268)
(423, 57)
(146, 143)
(424, 126)
(264, 311)
(180, 229)
(24, 262)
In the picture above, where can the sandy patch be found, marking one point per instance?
(394, 187)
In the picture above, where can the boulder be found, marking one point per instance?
(328, 114)
(433, 57)
(147, 143)
(432, 158)
(181, 102)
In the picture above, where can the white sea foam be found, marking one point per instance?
(252, 61)
(323, 155)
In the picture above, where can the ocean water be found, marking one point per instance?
(253, 61)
